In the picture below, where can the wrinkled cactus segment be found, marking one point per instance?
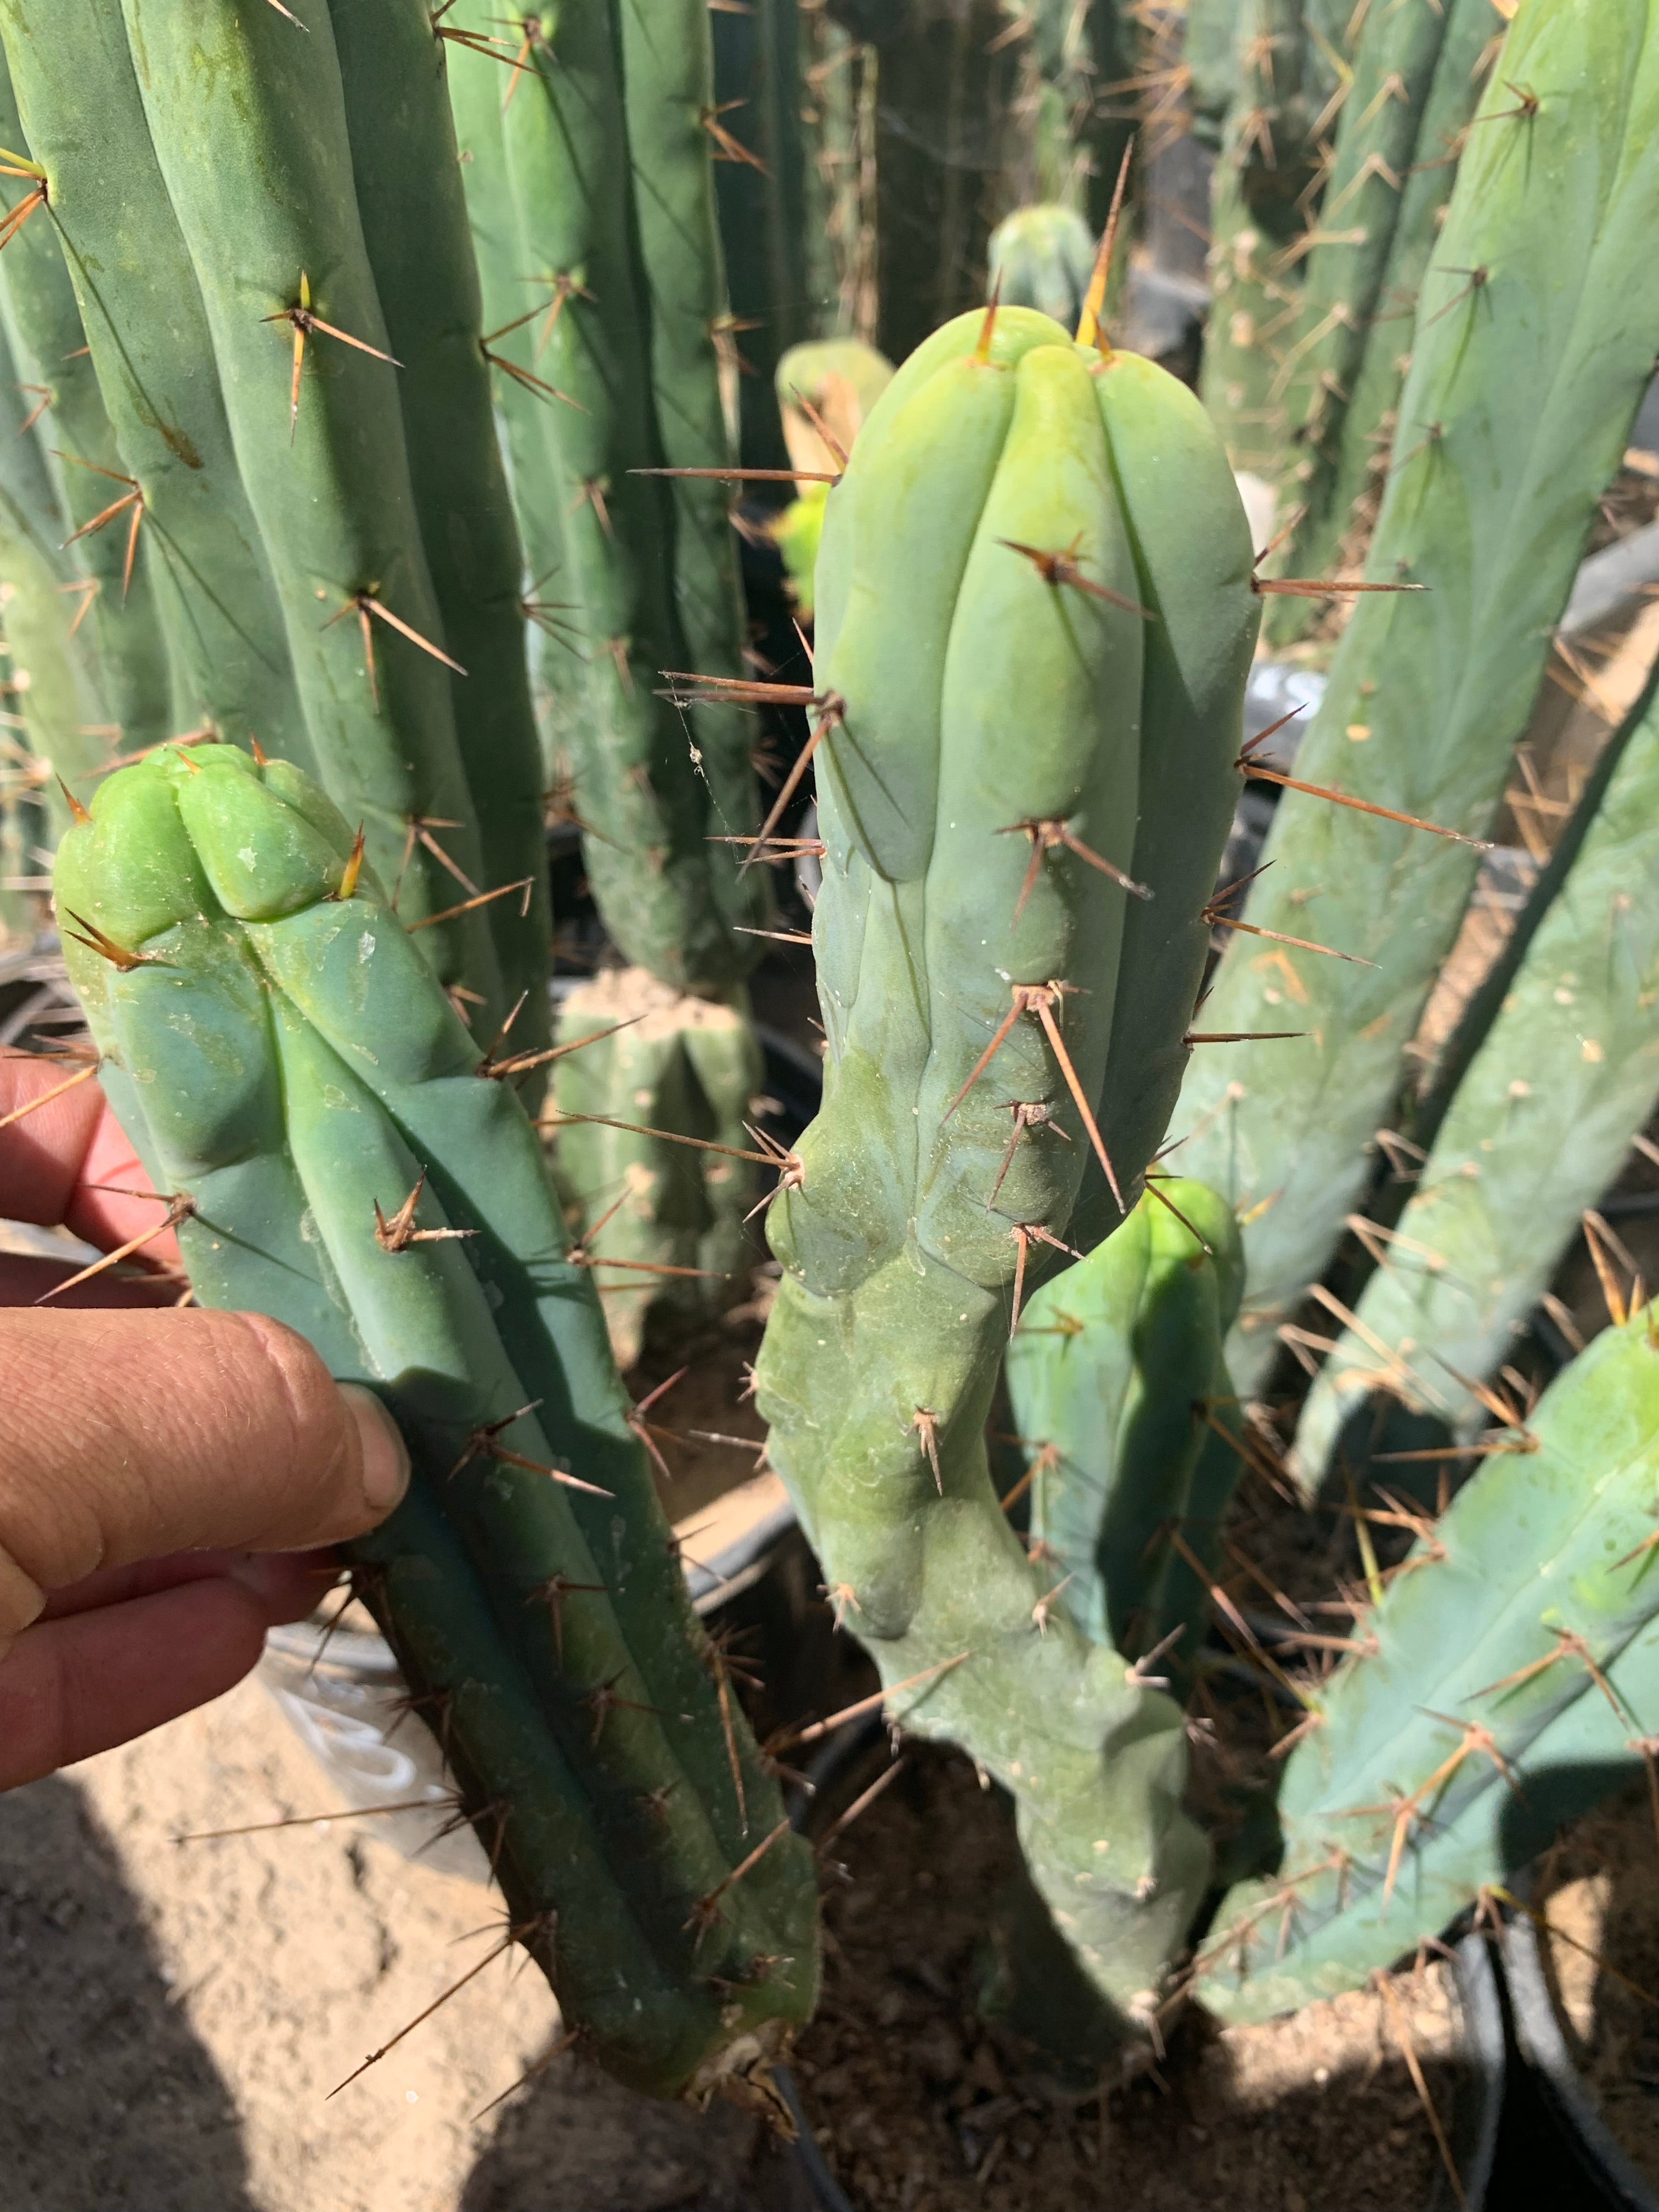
(1117, 1385)
(1503, 1675)
(289, 1068)
(1535, 341)
(307, 429)
(1537, 1129)
(1031, 542)
(654, 1095)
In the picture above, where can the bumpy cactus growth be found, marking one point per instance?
(287, 1067)
(1503, 1656)
(1535, 340)
(1009, 585)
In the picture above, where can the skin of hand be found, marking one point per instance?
(169, 1478)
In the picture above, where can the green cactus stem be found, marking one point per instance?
(1004, 549)
(123, 248)
(1416, 77)
(1042, 258)
(666, 1167)
(1116, 1381)
(1539, 1127)
(408, 184)
(548, 175)
(1497, 1653)
(103, 568)
(287, 1066)
(1524, 380)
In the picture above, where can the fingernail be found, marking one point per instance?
(385, 1456)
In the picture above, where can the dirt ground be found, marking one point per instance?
(173, 2016)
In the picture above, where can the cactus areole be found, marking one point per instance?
(1035, 616)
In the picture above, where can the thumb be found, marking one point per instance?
(128, 1434)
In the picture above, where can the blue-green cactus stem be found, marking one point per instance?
(413, 209)
(65, 423)
(559, 160)
(284, 1058)
(1115, 1375)
(950, 924)
(1042, 257)
(668, 88)
(1496, 1648)
(1416, 73)
(1524, 380)
(246, 114)
(69, 63)
(1539, 1127)
(665, 1169)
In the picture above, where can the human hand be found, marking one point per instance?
(167, 1476)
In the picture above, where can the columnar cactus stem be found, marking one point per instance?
(1416, 73)
(65, 423)
(408, 192)
(1536, 1130)
(125, 252)
(247, 115)
(1525, 376)
(995, 558)
(285, 1061)
(1430, 1764)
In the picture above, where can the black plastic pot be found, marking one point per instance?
(1556, 2125)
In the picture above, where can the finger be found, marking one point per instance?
(69, 1688)
(288, 1585)
(57, 1148)
(24, 1280)
(125, 1435)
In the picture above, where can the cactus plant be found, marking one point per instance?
(1287, 77)
(825, 389)
(287, 1067)
(588, 174)
(101, 569)
(1005, 547)
(1525, 376)
(296, 516)
(1417, 75)
(1117, 1385)
(654, 1097)
(1497, 1653)
(1042, 257)
(1536, 1129)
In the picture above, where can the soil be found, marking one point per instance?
(919, 2107)
(174, 2016)
(1601, 1902)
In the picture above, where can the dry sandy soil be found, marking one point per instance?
(173, 2017)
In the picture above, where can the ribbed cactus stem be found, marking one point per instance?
(285, 1061)
(1483, 1686)
(1525, 377)
(994, 559)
